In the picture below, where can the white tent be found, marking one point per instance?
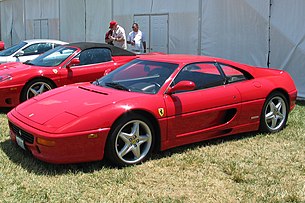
(264, 33)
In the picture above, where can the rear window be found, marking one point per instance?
(94, 55)
(232, 74)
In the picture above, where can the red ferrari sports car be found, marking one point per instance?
(66, 64)
(154, 102)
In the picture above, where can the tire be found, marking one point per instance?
(274, 114)
(130, 141)
(34, 88)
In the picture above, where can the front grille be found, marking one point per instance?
(27, 137)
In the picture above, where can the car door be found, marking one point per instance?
(93, 63)
(205, 112)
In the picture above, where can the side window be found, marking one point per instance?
(37, 49)
(232, 74)
(30, 50)
(204, 75)
(44, 47)
(94, 55)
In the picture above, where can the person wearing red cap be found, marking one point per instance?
(118, 37)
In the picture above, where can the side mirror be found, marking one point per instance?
(73, 62)
(19, 53)
(184, 85)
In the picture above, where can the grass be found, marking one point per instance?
(250, 167)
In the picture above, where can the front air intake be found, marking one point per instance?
(27, 137)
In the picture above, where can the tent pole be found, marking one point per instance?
(269, 34)
(199, 26)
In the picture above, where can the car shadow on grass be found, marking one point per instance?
(4, 110)
(33, 165)
(206, 143)
(300, 102)
(25, 159)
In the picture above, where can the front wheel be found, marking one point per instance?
(130, 141)
(34, 88)
(275, 113)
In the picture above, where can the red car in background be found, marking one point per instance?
(2, 45)
(155, 102)
(66, 64)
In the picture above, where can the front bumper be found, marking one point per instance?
(10, 96)
(68, 148)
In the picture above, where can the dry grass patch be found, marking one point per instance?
(250, 167)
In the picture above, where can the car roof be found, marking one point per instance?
(116, 51)
(179, 58)
(186, 59)
(32, 41)
(183, 59)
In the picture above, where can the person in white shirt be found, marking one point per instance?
(136, 39)
(118, 37)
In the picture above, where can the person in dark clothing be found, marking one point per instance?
(107, 37)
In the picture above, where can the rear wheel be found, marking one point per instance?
(275, 113)
(34, 88)
(130, 141)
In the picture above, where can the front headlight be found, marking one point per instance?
(5, 77)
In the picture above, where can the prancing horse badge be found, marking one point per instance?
(161, 111)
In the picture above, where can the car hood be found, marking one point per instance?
(12, 67)
(60, 106)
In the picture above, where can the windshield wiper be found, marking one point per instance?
(116, 86)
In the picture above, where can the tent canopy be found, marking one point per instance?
(260, 33)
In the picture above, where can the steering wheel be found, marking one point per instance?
(151, 87)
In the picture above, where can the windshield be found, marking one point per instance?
(138, 76)
(53, 57)
(11, 50)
